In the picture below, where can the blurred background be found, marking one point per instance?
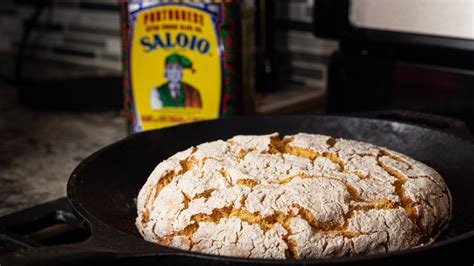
(61, 93)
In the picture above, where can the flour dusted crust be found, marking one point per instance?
(303, 196)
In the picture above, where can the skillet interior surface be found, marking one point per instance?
(103, 188)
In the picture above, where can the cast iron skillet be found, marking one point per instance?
(103, 187)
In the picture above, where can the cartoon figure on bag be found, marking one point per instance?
(176, 93)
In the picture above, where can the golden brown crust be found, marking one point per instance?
(303, 196)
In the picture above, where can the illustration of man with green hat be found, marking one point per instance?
(176, 93)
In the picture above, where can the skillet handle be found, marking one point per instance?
(42, 235)
(93, 251)
(45, 234)
(72, 254)
(443, 123)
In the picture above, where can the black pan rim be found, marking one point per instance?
(96, 222)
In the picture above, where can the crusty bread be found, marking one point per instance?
(303, 196)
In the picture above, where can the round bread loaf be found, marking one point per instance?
(303, 196)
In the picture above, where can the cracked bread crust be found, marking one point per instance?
(303, 196)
